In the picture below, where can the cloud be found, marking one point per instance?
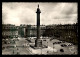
(64, 13)
(51, 13)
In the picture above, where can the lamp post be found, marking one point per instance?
(47, 44)
(47, 47)
(17, 51)
(41, 46)
(53, 47)
(41, 50)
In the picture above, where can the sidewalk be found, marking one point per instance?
(50, 50)
(40, 51)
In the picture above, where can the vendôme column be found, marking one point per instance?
(38, 27)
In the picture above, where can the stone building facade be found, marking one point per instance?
(31, 30)
(22, 30)
(9, 31)
(64, 32)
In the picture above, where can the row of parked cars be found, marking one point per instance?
(63, 44)
(66, 45)
(58, 42)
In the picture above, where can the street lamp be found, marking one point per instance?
(41, 46)
(47, 44)
(41, 50)
(53, 47)
(25, 44)
(17, 51)
(47, 52)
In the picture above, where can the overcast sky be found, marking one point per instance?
(51, 13)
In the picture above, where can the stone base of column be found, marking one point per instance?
(38, 44)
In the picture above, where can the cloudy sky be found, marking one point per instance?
(51, 13)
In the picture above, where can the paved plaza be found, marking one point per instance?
(22, 47)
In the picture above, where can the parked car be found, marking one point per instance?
(63, 41)
(3, 48)
(61, 50)
(69, 44)
(63, 45)
(44, 40)
(66, 45)
(8, 42)
(58, 42)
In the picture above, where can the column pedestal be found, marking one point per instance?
(38, 43)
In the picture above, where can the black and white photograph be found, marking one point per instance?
(39, 28)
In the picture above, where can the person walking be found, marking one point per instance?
(13, 51)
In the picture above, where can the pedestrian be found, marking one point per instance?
(47, 51)
(15, 45)
(23, 45)
(17, 49)
(18, 53)
(13, 51)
